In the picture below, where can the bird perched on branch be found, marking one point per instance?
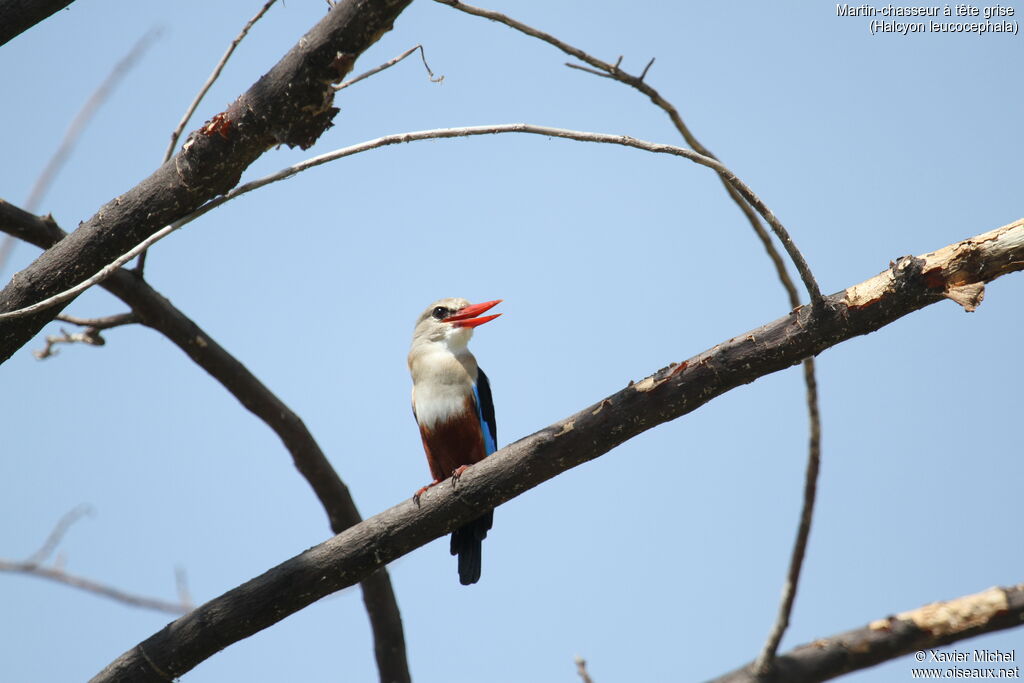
(451, 400)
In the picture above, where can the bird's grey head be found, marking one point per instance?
(451, 322)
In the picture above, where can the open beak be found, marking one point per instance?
(465, 317)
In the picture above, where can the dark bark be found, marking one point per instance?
(158, 313)
(18, 16)
(921, 630)
(292, 104)
(342, 561)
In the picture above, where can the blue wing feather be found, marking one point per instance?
(485, 411)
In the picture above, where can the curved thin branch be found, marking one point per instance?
(612, 71)
(910, 284)
(440, 133)
(158, 313)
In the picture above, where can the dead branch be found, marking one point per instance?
(581, 670)
(33, 567)
(924, 628)
(90, 586)
(958, 272)
(390, 63)
(90, 335)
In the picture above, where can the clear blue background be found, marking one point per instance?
(662, 560)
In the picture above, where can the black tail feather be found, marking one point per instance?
(467, 543)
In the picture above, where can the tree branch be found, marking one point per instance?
(957, 272)
(33, 567)
(440, 133)
(924, 628)
(612, 71)
(90, 335)
(390, 63)
(90, 586)
(18, 16)
(292, 104)
(158, 313)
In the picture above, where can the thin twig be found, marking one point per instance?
(60, 576)
(91, 335)
(613, 72)
(59, 530)
(578, 67)
(581, 669)
(646, 68)
(439, 133)
(181, 583)
(212, 79)
(6, 247)
(33, 567)
(85, 115)
(390, 63)
(104, 323)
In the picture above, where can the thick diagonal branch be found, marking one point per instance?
(158, 313)
(957, 272)
(292, 104)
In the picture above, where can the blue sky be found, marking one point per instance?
(662, 560)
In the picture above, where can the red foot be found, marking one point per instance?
(416, 496)
(458, 473)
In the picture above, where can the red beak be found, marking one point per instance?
(465, 316)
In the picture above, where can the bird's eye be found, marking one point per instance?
(440, 313)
